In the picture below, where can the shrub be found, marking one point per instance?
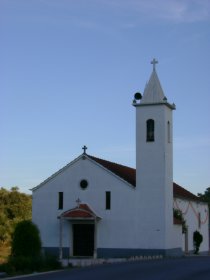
(26, 240)
(197, 240)
(26, 254)
(51, 263)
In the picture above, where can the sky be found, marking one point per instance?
(68, 73)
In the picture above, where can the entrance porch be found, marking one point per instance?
(83, 227)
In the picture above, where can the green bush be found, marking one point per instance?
(26, 264)
(8, 269)
(197, 240)
(23, 265)
(51, 263)
(26, 240)
(26, 254)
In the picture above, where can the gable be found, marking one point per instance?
(120, 172)
(125, 173)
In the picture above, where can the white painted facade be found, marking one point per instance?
(140, 220)
(196, 215)
(45, 200)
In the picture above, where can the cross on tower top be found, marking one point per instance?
(153, 62)
(84, 148)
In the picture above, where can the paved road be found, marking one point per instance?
(192, 268)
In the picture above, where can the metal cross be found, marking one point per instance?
(78, 202)
(153, 62)
(84, 148)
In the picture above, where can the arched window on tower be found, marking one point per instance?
(169, 132)
(150, 130)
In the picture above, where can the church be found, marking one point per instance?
(101, 209)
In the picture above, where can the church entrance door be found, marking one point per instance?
(83, 240)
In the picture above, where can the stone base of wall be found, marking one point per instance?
(54, 251)
(127, 253)
(106, 253)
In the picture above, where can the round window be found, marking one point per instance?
(83, 184)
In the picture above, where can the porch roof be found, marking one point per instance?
(82, 211)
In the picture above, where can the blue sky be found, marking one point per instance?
(69, 69)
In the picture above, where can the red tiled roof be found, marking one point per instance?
(129, 174)
(183, 193)
(82, 211)
(126, 173)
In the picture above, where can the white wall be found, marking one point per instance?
(191, 210)
(117, 229)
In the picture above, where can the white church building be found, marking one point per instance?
(96, 208)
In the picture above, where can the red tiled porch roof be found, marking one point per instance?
(83, 211)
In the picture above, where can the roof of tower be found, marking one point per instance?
(153, 92)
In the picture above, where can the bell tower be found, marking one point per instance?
(154, 165)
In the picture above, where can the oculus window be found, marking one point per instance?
(83, 184)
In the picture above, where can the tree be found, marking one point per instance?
(5, 228)
(14, 207)
(206, 196)
(26, 240)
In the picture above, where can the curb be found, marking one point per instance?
(33, 274)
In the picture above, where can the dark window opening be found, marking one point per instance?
(60, 200)
(150, 130)
(169, 132)
(108, 200)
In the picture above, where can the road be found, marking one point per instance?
(191, 268)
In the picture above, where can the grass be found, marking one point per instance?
(4, 252)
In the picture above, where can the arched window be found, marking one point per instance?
(169, 132)
(150, 130)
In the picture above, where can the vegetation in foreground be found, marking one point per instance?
(14, 207)
(26, 256)
(20, 244)
(5, 250)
